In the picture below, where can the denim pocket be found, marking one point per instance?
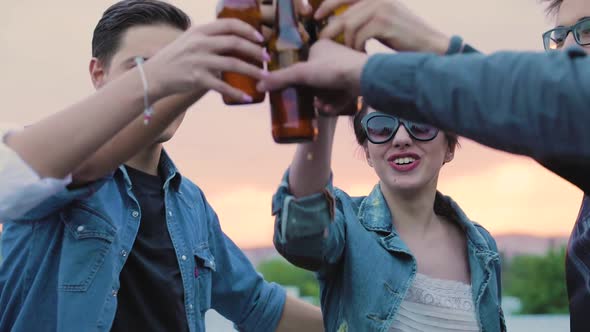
(204, 267)
(87, 238)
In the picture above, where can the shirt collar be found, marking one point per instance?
(172, 177)
(374, 214)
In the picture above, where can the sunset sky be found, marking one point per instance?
(229, 152)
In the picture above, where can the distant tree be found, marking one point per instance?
(284, 273)
(538, 281)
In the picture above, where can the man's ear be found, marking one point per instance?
(98, 73)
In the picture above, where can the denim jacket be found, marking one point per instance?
(62, 260)
(363, 266)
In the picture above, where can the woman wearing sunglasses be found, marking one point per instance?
(403, 258)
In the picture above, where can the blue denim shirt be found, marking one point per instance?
(62, 260)
(363, 266)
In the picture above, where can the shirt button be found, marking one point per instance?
(183, 257)
(80, 228)
(135, 214)
(170, 213)
(114, 292)
(190, 306)
(123, 253)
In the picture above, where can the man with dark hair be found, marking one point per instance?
(141, 249)
(525, 103)
(116, 20)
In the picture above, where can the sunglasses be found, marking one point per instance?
(555, 38)
(381, 127)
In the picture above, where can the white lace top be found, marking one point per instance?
(436, 305)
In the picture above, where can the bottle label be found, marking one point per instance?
(288, 58)
(285, 58)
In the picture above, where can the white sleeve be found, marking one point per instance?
(21, 188)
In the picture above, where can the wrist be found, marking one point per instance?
(156, 88)
(353, 75)
(439, 43)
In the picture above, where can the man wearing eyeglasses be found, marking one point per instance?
(573, 29)
(525, 103)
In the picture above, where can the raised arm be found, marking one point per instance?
(134, 137)
(311, 166)
(57, 145)
(310, 228)
(35, 158)
(528, 103)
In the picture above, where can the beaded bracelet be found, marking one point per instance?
(148, 109)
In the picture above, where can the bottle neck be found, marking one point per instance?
(285, 16)
(287, 26)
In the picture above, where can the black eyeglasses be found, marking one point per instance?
(381, 127)
(555, 38)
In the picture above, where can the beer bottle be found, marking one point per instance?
(249, 12)
(315, 4)
(339, 11)
(315, 28)
(292, 108)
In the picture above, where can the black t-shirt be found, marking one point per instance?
(578, 270)
(151, 297)
(577, 264)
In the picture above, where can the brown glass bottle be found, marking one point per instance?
(315, 4)
(292, 109)
(314, 28)
(249, 12)
(352, 107)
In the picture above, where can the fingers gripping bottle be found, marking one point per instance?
(292, 109)
(249, 12)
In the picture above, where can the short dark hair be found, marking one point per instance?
(121, 16)
(552, 6)
(361, 135)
